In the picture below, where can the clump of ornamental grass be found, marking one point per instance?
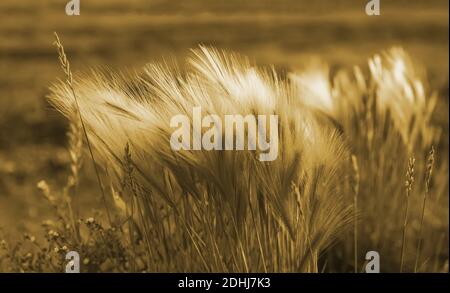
(209, 211)
(385, 113)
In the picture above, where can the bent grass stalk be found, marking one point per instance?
(65, 65)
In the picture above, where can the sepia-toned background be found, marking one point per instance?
(128, 34)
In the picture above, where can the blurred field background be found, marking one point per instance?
(128, 34)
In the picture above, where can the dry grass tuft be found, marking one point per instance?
(228, 210)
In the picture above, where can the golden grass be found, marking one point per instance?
(344, 145)
(245, 203)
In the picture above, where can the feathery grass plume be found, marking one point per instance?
(402, 95)
(394, 86)
(408, 187)
(428, 175)
(314, 86)
(217, 210)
